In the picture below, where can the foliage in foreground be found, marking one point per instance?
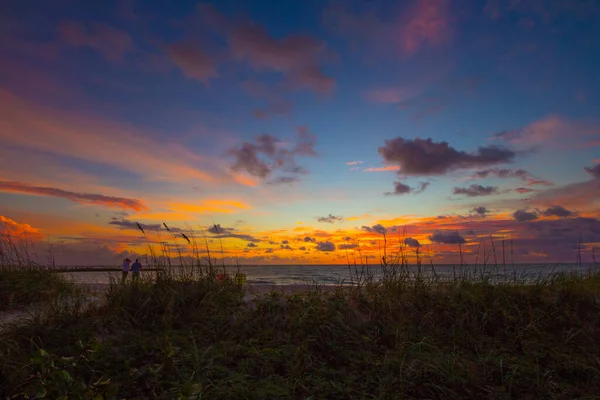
(21, 286)
(181, 338)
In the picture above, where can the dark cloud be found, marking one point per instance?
(594, 171)
(447, 237)
(347, 246)
(223, 233)
(476, 190)
(303, 248)
(85, 198)
(426, 157)
(375, 228)
(411, 242)
(523, 215)
(347, 238)
(309, 239)
(297, 58)
(481, 211)
(330, 219)
(251, 245)
(127, 224)
(401, 188)
(218, 229)
(283, 180)
(325, 246)
(269, 250)
(558, 211)
(268, 154)
(503, 173)
(519, 173)
(285, 242)
(286, 247)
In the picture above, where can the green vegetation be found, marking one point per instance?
(22, 280)
(182, 337)
(22, 286)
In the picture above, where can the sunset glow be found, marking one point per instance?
(302, 133)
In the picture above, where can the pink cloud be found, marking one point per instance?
(392, 95)
(408, 29)
(275, 108)
(354, 162)
(85, 198)
(297, 57)
(40, 128)
(428, 23)
(554, 130)
(192, 61)
(113, 43)
(524, 190)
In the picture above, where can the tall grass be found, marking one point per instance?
(23, 280)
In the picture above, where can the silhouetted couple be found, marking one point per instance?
(135, 269)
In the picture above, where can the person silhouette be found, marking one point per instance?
(126, 263)
(136, 268)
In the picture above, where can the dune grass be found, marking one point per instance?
(23, 281)
(194, 337)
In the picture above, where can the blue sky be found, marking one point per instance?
(155, 102)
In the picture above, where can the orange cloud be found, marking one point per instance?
(382, 169)
(354, 162)
(357, 217)
(85, 198)
(186, 211)
(61, 133)
(245, 180)
(13, 228)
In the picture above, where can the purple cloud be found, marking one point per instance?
(447, 237)
(426, 157)
(523, 215)
(325, 246)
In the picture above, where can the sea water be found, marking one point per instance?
(342, 274)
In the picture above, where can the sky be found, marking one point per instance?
(298, 132)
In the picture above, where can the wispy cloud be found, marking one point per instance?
(402, 189)
(519, 173)
(111, 42)
(86, 138)
(298, 58)
(382, 169)
(84, 198)
(354, 162)
(412, 26)
(427, 24)
(194, 62)
(552, 130)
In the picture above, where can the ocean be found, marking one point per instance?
(341, 274)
